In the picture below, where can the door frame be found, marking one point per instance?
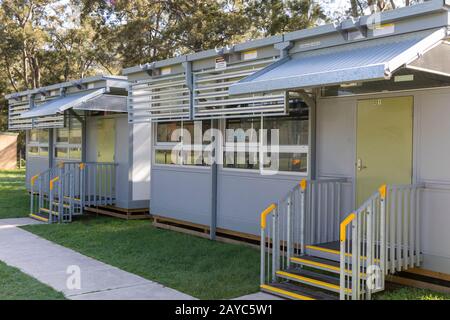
(115, 136)
(415, 133)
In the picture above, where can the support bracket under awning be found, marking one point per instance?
(375, 59)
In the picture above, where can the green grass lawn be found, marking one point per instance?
(14, 199)
(196, 266)
(16, 285)
(407, 293)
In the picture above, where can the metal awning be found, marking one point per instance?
(96, 100)
(360, 61)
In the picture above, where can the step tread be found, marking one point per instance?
(306, 293)
(48, 211)
(308, 275)
(38, 217)
(331, 247)
(312, 260)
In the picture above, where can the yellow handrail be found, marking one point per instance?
(344, 224)
(52, 182)
(303, 184)
(264, 214)
(82, 165)
(33, 179)
(61, 164)
(382, 190)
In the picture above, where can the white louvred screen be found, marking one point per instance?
(16, 108)
(163, 98)
(47, 122)
(212, 100)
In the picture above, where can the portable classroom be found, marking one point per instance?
(81, 121)
(362, 103)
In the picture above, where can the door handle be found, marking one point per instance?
(359, 165)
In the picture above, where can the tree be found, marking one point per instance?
(274, 17)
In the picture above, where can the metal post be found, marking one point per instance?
(61, 199)
(213, 227)
(275, 243)
(214, 172)
(383, 247)
(263, 249)
(50, 148)
(32, 197)
(355, 257)
(50, 206)
(288, 232)
(81, 186)
(342, 274)
(369, 247)
(302, 215)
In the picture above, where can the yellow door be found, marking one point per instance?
(106, 140)
(384, 144)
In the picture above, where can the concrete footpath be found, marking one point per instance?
(58, 267)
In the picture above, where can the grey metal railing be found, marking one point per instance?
(308, 214)
(64, 190)
(382, 236)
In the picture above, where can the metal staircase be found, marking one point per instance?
(310, 252)
(61, 192)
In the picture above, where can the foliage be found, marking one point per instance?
(49, 41)
(14, 198)
(15, 285)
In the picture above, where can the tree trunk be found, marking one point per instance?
(24, 65)
(354, 7)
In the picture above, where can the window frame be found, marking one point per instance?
(290, 149)
(68, 145)
(222, 147)
(39, 144)
(164, 146)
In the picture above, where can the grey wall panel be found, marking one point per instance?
(35, 165)
(432, 149)
(433, 145)
(243, 195)
(121, 158)
(436, 222)
(91, 139)
(336, 137)
(141, 164)
(181, 193)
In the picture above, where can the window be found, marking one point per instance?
(292, 141)
(68, 141)
(179, 147)
(38, 143)
(242, 132)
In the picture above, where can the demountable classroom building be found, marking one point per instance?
(362, 186)
(78, 129)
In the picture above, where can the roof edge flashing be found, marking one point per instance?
(66, 84)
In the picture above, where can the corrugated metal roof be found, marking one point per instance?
(59, 105)
(370, 60)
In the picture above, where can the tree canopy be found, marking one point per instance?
(48, 41)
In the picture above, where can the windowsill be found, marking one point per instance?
(257, 172)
